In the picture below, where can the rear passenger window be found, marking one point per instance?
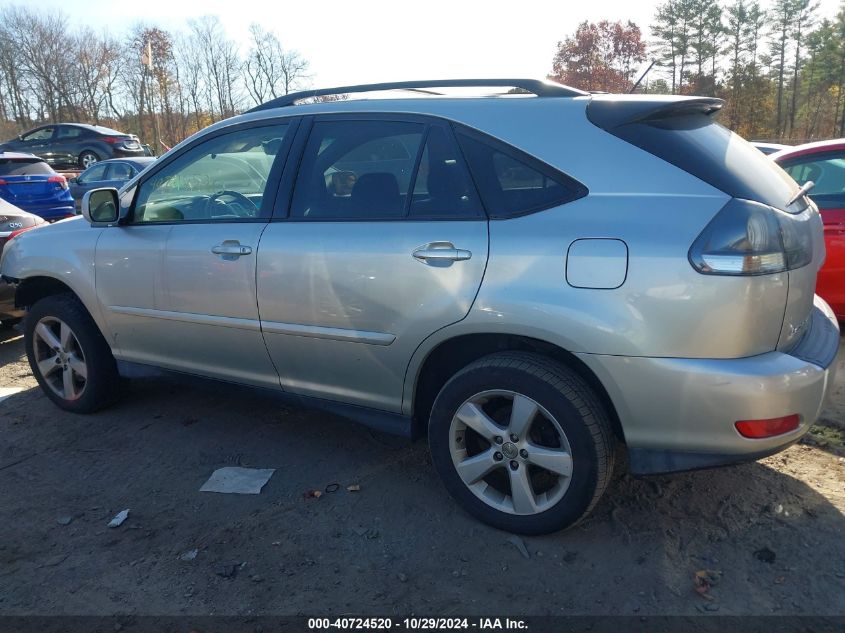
(119, 171)
(66, 132)
(376, 170)
(511, 183)
(357, 170)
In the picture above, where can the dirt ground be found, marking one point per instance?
(766, 537)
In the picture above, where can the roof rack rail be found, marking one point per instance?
(538, 87)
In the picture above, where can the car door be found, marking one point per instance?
(177, 282)
(91, 178)
(37, 142)
(827, 171)
(62, 149)
(385, 243)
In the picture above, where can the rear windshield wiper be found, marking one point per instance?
(803, 191)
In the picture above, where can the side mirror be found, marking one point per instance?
(72, 180)
(100, 206)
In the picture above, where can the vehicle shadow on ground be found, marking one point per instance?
(763, 540)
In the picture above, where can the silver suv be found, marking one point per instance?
(533, 278)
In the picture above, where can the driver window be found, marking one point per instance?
(221, 180)
(44, 134)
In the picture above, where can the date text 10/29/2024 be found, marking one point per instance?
(417, 624)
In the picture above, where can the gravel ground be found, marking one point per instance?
(764, 538)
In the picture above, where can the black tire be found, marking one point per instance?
(103, 384)
(86, 156)
(567, 397)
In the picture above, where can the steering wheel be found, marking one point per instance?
(240, 209)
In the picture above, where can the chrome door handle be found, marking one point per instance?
(231, 249)
(437, 252)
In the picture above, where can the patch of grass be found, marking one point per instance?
(828, 436)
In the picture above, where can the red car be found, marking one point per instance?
(824, 164)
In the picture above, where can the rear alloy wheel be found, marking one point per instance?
(521, 442)
(88, 158)
(69, 356)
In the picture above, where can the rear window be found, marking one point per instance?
(23, 167)
(512, 183)
(108, 131)
(714, 154)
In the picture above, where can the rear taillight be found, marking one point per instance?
(758, 429)
(60, 180)
(749, 238)
(14, 234)
(111, 139)
(3, 181)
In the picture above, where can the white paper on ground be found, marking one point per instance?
(119, 518)
(7, 392)
(236, 480)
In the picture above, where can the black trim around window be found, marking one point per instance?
(285, 169)
(575, 189)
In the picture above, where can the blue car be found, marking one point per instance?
(31, 184)
(107, 173)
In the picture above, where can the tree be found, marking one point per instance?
(601, 56)
(673, 31)
(804, 16)
(782, 13)
(220, 66)
(269, 69)
(707, 33)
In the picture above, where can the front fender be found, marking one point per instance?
(63, 252)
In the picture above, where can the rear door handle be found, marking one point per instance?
(231, 249)
(440, 253)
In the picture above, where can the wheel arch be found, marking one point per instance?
(34, 288)
(452, 354)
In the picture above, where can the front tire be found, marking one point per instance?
(87, 158)
(522, 443)
(69, 357)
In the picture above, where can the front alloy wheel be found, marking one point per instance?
(69, 356)
(59, 358)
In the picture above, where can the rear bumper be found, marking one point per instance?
(679, 413)
(122, 152)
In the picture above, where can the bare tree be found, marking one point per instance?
(269, 69)
(52, 72)
(220, 63)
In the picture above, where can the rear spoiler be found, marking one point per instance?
(611, 111)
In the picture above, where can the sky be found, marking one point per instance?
(364, 41)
